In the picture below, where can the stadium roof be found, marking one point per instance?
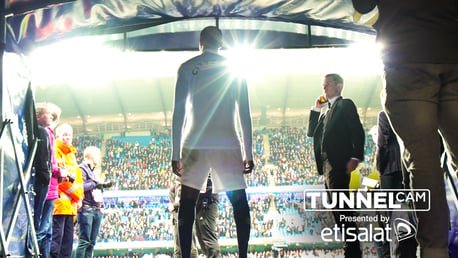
(143, 30)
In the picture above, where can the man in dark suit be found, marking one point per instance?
(388, 157)
(43, 169)
(338, 144)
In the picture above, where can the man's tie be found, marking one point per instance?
(327, 117)
(327, 114)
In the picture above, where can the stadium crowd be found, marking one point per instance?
(267, 253)
(150, 220)
(136, 224)
(81, 142)
(283, 157)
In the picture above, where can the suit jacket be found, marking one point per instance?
(343, 137)
(43, 158)
(388, 152)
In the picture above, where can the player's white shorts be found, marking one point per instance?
(226, 169)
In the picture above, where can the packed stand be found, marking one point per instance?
(260, 175)
(132, 166)
(270, 252)
(291, 151)
(149, 218)
(81, 142)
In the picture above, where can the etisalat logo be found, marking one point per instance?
(377, 227)
(403, 229)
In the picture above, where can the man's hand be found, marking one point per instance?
(321, 102)
(71, 178)
(99, 186)
(352, 164)
(62, 179)
(176, 206)
(248, 166)
(177, 167)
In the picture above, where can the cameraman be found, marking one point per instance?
(174, 197)
(205, 223)
(90, 213)
(206, 217)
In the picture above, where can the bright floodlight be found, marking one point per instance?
(242, 60)
(86, 62)
(78, 60)
(363, 58)
(358, 59)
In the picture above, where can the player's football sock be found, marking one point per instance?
(242, 219)
(186, 215)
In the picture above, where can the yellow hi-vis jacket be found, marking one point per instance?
(69, 193)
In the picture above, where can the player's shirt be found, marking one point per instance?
(209, 101)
